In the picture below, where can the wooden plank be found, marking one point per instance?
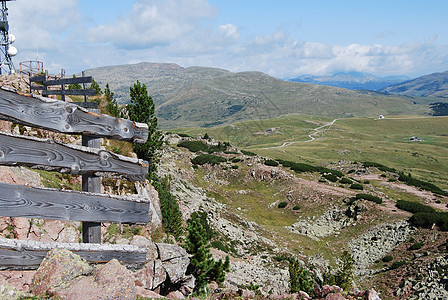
(41, 203)
(91, 231)
(87, 104)
(45, 154)
(38, 87)
(77, 80)
(66, 117)
(88, 92)
(38, 78)
(17, 254)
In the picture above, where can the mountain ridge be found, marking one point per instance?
(203, 96)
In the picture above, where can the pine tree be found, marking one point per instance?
(94, 86)
(74, 86)
(299, 278)
(142, 109)
(111, 103)
(202, 265)
(344, 275)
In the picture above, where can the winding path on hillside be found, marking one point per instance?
(317, 131)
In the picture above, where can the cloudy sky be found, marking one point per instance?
(283, 38)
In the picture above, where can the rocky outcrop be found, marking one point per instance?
(376, 243)
(430, 283)
(66, 275)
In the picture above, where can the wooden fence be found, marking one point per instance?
(88, 206)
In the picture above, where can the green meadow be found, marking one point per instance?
(386, 141)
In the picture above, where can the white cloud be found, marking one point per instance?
(153, 22)
(230, 31)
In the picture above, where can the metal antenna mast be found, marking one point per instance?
(6, 39)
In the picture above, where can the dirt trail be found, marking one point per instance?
(317, 130)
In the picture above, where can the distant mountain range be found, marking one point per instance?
(352, 80)
(432, 85)
(201, 96)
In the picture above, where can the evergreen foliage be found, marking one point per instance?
(74, 86)
(299, 278)
(208, 159)
(356, 186)
(345, 181)
(142, 109)
(282, 204)
(270, 162)
(330, 177)
(380, 167)
(408, 179)
(414, 207)
(439, 108)
(368, 197)
(111, 103)
(171, 214)
(94, 86)
(202, 265)
(196, 146)
(388, 258)
(397, 264)
(344, 274)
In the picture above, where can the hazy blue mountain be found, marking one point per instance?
(352, 80)
(432, 85)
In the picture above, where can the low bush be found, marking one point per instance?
(345, 181)
(220, 246)
(208, 159)
(248, 153)
(271, 163)
(326, 170)
(397, 264)
(234, 167)
(388, 258)
(427, 220)
(296, 207)
(368, 197)
(414, 207)
(408, 179)
(183, 135)
(356, 186)
(380, 167)
(194, 146)
(282, 204)
(235, 160)
(330, 177)
(416, 246)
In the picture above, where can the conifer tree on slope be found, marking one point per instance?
(142, 109)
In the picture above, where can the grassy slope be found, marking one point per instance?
(357, 139)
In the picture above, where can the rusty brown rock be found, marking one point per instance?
(144, 293)
(335, 296)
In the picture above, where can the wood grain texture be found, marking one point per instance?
(62, 81)
(27, 202)
(66, 117)
(46, 154)
(81, 92)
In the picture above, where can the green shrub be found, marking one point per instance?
(235, 167)
(171, 214)
(194, 146)
(282, 204)
(366, 182)
(408, 179)
(271, 163)
(351, 171)
(383, 175)
(326, 170)
(248, 153)
(416, 246)
(345, 181)
(391, 180)
(299, 278)
(380, 167)
(208, 159)
(220, 246)
(368, 197)
(183, 135)
(397, 264)
(388, 258)
(356, 186)
(427, 220)
(414, 207)
(438, 201)
(195, 167)
(330, 177)
(235, 160)
(296, 207)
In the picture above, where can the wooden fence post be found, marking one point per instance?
(63, 85)
(91, 231)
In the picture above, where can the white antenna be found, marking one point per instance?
(7, 50)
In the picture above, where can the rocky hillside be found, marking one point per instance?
(200, 96)
(318, 220)
(432, 85)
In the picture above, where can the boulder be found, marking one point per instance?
(9, 293)
(335, 296)
(58, 268)
(371, 294)
(151, 276)
(67, 276)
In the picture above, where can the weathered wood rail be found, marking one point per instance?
(88, 160)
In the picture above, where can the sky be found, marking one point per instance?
(283, 38)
